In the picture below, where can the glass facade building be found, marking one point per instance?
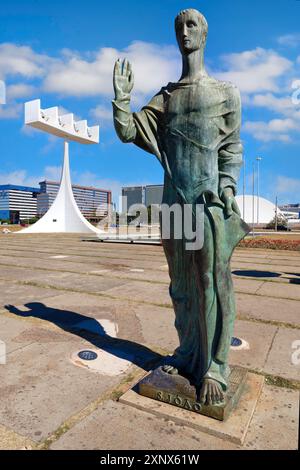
(18, 203)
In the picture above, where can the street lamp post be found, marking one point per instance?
(276, 214)
(253, 198)
(258, 159)
(244, 185)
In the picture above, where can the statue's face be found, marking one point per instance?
(189, 33)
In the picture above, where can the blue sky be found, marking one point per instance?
(63, 52)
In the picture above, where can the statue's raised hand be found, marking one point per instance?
(123, 78)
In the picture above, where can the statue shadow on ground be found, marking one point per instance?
(264, 274)
(92, 331)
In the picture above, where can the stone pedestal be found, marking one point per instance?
(241, 400)
(177, 391)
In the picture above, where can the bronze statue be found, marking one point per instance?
(193, 128)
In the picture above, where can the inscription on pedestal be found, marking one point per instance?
(177, 400)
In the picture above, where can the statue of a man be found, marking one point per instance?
(193, 128)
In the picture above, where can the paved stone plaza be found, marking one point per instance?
(60, 295)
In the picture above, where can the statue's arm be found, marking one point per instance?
(230, 157)
(140, 128)
(123, 82)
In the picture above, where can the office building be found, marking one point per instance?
(18, 203)
(291, 211)
(93, 203)
(147, 195)
(154, 194)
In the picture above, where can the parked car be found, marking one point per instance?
(284, 228)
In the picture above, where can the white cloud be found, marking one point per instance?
(19, 177)
(285, 185)
(22, 60)
(12, 111)
(255, 71)
(84, 75)
(22, 178)
(290, 40)
(103, 114)
(53, 173)
(77, 75)
(19, 90)
(274, 130)
(274, 103)
(263, 76)
(52, 141)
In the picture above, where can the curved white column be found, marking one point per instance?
(64, 215)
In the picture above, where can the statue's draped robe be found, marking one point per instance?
(194, 131)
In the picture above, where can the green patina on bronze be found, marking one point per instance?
(193, 128)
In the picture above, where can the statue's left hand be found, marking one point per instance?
(231, 205)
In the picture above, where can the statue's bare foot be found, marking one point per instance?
(211, 393)
(170, 370)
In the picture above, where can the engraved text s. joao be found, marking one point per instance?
(179, 401)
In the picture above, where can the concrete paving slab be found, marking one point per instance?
(259, 337)
(234, 429)
(40, 388)
(156, 274)
(248, 286)
(159, 294)
(9, 440)
(97, 321)
(81, 309)
(284, 291)
(270, 265)
(99, 252)
(59, 323)
(142, 292)
(157, 325)
(274, 425)
(115, 426)
(269, 309)
(17, 334)
(284, 356)
(16, 293)
(19, 270)
(62, 280)
(266, 253)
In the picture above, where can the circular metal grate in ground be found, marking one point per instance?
(236, 342)
(87, 355)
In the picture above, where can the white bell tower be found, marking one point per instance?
(64, 215)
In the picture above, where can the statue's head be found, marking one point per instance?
(191, 31)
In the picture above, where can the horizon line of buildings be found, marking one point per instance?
(20, 203)
(152, 195)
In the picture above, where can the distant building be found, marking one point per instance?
(257, 211)
(147, 195)
(18, 203)
(133, 195)
(92, 202)
(154, 194)
(291, 211)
